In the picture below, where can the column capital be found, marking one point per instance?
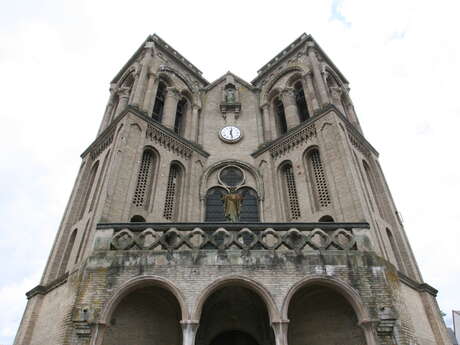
(173, 92)
(288, 95)
(123, 92)
(266, 105)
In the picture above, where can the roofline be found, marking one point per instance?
(240, 80)
(169, 50)
(270, 65)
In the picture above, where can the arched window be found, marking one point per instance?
(249, 208)
(173, 192)
(302, 107)
(137, 219)
(371, 182)
(395, 249)
(180, 114)
(290, 191)
(144, 179)
(326, 219)
(158, 107)
(83, 240)
(99, 181)
(318, 179)
(215, 205)
(88, 189)
(68, 251)
(280, 116)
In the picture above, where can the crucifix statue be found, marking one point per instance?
(232, 205)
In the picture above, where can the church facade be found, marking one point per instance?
(234, 212)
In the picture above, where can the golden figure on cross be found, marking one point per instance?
(232, 205)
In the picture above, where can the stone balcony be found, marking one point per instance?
(291, 237)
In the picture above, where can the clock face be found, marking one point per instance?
(230, 134)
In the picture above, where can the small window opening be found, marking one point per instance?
(137, 219)
(157, 113)
(302, 107)
(281, 116)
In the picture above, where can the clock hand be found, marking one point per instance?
(231, 135)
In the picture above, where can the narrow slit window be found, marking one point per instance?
(318, 179)
(144, 179)
(291, 191)
(172, 193)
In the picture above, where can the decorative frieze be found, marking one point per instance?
(228, 239)
(293, 140)
(166, 140)
(358, 145)
(103, 144)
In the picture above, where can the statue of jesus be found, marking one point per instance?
(232, 205)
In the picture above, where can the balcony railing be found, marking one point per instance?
(298, 237)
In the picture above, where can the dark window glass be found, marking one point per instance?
(215, 205)
(279, 108)
(249, 209)
(231, 176)
(302, 107)
(180, 112)
(157, 113)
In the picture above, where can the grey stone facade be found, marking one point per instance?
(138, 258)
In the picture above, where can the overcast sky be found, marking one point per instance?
(402, 59)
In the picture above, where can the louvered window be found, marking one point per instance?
(144, 179)
(172, 193)
(319, 179)
(291, 192)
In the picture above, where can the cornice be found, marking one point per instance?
(44, 289)
(233, 226)
(305, 130)
(285, 53)
(159, 42)
(223, 77)
(109, 131)
(281, 56)
(422, 287)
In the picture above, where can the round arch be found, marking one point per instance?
(237, 280)
(205, 176)
(278, 77)
(137, 283)
(339, 286)
(126, 73)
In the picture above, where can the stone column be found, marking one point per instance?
(280, 329)
(310, 93)
(194, 123)
(266, 122)
(123, 96)
(149, 97)
(317, 75)
(139, 92)
(290, 107)
(368, 327)
(109, 109)
(169, 113)
(188, 122)
(189, 329)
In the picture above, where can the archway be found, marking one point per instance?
(320, 315)
(147, 315)
(234, 337)
(234, 315)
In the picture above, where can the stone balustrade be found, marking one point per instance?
(298, 237)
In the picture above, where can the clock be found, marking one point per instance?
(230, 134)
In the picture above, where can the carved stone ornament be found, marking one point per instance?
(230, 100)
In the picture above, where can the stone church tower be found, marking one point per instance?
(231, 213)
